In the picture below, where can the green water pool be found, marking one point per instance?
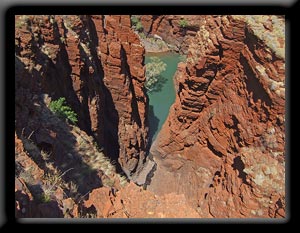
(160, 101)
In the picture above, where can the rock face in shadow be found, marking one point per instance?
(176, 30)
(97, 64)
(223, 142)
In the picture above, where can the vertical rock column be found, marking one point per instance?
(122, 58)
(97, 64)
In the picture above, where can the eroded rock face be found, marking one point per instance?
(229, 120)
(220, 152)
(133, 202)
(176, 30)
(97, 64)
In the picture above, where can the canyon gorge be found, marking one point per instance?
(220, 152)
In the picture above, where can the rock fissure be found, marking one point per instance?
(220, 152)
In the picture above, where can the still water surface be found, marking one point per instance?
(161, 101)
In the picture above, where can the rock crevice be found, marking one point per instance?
(97, 64)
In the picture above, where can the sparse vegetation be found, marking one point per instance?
(123, 180)
(139, 27)
(22, 21)
(134, 20)
(160, 44)
(63, 111)
(45, 156)
(108, 182)
(73, 188)
(19, 24)
(153, 72)
(96, 160)
(88, 215)
(45, 198)
(136, 24)
(142, 35)
(183, 23)
(53, 180)
(62, 40)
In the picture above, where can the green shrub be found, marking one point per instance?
(134, 20)
(153, 73)
(136, 24)
(183, 23)
(45, 198)
(142, 35)
(59, 108)
(139, 27)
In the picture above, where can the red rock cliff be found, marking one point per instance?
(176, 30)
(97, 63)
(224, 138)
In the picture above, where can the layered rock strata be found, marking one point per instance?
(224, 139)
(97, 64)
(176, 30)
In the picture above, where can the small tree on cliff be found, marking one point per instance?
(183, 23)
(153, 72)
(59, 108)
(136, 23)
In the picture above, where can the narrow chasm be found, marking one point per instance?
(149, 116)
(163, 95)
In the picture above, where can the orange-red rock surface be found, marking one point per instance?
(176, 30)
(228, 120)
(220, 154)
(97, 63)
(134, 202)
